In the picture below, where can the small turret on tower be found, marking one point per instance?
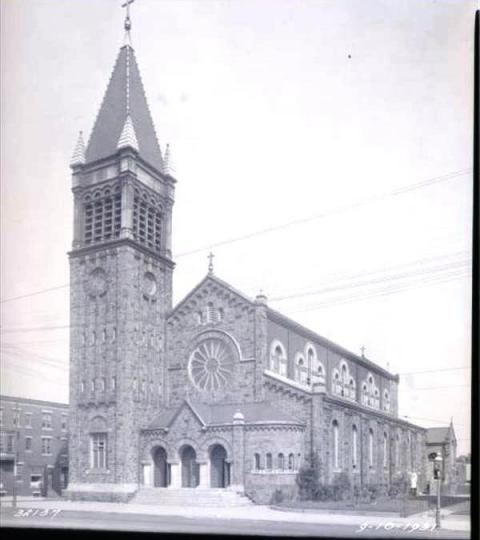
(128, 137)
(78, 157)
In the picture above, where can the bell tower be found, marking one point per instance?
(121, 287)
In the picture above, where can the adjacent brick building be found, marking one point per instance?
(34, 445)
(218, 391)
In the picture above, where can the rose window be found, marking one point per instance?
(211, 365)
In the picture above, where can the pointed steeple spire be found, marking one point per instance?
(167, 162)
(128, 137)
(78, 157)
(124, 96)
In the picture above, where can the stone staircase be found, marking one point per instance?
(199, 497)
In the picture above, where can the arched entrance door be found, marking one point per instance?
(219, 468)
(190, 469)
(160, 470)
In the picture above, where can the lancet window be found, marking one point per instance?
(147, 221)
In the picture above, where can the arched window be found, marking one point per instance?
(102, 384)
(301, 370)
(370, 447)
(92, 385)
(211, 313)
(351, 391)
(268, 462)
(336, 461)
(281, 462)
(257, 463)
(82, 386)
(336, 382)
(413, 449)
(311, 357)
(354, 446)
(364, 394)
(385, 450)
(291, 462)
(278, 358)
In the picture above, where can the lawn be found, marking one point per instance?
(398, 506)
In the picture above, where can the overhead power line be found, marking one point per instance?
(326, 213)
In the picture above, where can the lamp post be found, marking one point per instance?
(437, 475)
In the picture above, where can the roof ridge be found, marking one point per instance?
(112, 71)
(148, 106)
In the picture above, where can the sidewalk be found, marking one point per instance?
(260, 513)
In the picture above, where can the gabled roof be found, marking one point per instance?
(221, 413)
(218, 281)
(439, 435)
(125, 94)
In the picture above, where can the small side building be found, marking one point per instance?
(442, 441)
(33, 446)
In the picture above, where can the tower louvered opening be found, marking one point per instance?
(102, 215)
(147, 221)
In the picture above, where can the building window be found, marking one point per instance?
(301, 370)
(281, 462)
(114, 334)
(28, 420)
(114, 383)
(370, 393)
(92, 385)
(19, 471)
(64, 421)
(385, 450)
(354, 446)
(46, 420)
(370, 448)
(10, 443)
(147, 222)
(257, 462)
(46, 446)
(291, 462)
(102, 216)
(1, 417)
(98, 443)
(82, 386)
(336, 383)
(102, 384)
(278, 358)
(28, 444)
(268, 462)
(413, 450)
(16, 417)
(336, 461)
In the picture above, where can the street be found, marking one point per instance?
(164, 523)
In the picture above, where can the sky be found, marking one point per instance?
(323, 151)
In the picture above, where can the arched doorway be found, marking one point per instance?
(219, 468)
(160, 469)
(190, 469)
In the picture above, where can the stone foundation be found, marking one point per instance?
(101, 492)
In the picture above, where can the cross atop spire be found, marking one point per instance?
(128, 23)
(362, 348)
(210, 262)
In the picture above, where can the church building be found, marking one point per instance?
(219, 390)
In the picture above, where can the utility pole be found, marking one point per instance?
(437, 474)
